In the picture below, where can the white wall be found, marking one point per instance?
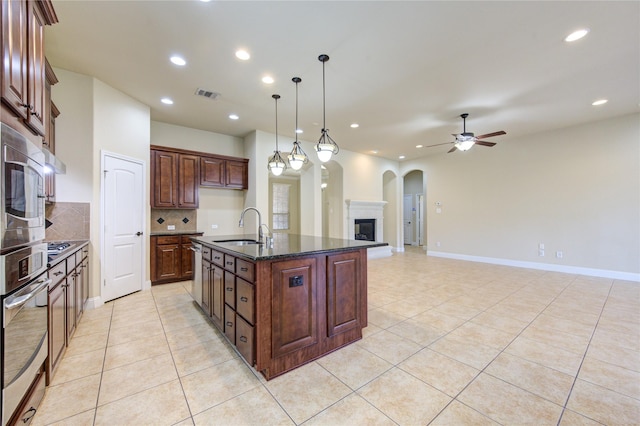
(577, 190)
(95, 117)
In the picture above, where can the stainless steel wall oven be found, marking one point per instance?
(23, 267)
(22, 186)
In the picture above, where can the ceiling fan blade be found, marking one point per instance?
(439, 144)
(488, 135)
(485, 143)
(452, 149)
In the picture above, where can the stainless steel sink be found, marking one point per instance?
(240, 242)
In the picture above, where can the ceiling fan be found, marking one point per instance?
(465, 140)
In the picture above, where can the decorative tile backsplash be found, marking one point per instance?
(69, 221)
(182, 220)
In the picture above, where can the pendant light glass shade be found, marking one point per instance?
(326, 147)
(276, 163)
(297, 157)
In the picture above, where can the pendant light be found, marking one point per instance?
(325, 146)
(276, 164)
(298, 157)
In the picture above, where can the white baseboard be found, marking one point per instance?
(93, 303)
(378, 252)
(146, 285)
(603, 273)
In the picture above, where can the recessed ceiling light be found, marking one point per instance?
(599, 102)
(374, 151)
(243, 55)
(167, 101)
(355, 125)
(419, 146)
(401, 157)
(267, 79)
(178, 61)
(577, 35)
(234, 116)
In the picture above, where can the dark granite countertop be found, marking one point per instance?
(284, 245)
(169, 233)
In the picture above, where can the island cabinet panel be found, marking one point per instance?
(217, 296)
(294, 299)
(343, 292)
(206, 282)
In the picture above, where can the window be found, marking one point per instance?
(280, 204)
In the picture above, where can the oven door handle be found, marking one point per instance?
(31, 290)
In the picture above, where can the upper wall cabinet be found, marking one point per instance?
(176, 175)
(23, 71)
(223, 172)
(175, 178)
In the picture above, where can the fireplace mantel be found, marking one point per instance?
(358, 209)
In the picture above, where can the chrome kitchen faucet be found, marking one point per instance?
(260, 224)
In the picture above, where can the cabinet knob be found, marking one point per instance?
(243, 299)
(229, 288)
(243, 339)
(229, 324)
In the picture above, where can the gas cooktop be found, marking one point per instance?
(57, 247)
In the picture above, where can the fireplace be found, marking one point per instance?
(365, 229)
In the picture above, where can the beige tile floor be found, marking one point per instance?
(448, 343)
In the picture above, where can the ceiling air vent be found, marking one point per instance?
(210, 94)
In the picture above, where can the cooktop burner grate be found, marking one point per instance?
(57, 247)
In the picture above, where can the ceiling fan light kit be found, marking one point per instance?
(466, 140)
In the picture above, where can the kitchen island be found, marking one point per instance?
(288, 302)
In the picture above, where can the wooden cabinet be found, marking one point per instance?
(49, 139)
(171, 258)
(57, 317)
(68, 293)
(223, 172)
(175, 179)
(23, 71)
(212, 290)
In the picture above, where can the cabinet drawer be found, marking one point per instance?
(244, 300)
(229, 263)
(230, 324)
(217, 258)
(206, 253)
(244, 340)
(230, 289)
(168, 239)
(57, 273)
(245, 270)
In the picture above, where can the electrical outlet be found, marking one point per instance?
(171, 227)
(438, 244)
(541, 246)
(214, 226)
(541, 252)
(559, 254)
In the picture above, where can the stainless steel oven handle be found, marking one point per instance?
(18, 300)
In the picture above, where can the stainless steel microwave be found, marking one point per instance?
(22, 186)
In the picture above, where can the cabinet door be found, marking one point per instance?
(71, 305)
(186, 259)
(57, 327)
(167, 264)
(237, 174)
(85, 281)
(206, 285)
(79, 278)
(217, 297)
(188, 181)
(36, 66)
(164, 177)
(14, 47)
(212, 172)
(343, 292)
(294, 296)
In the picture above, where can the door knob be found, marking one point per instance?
(138, 233)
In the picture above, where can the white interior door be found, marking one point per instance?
(123, 220)
(407, 212)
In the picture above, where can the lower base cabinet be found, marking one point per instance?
(68, 294)
(283, 313)
(29, 406)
